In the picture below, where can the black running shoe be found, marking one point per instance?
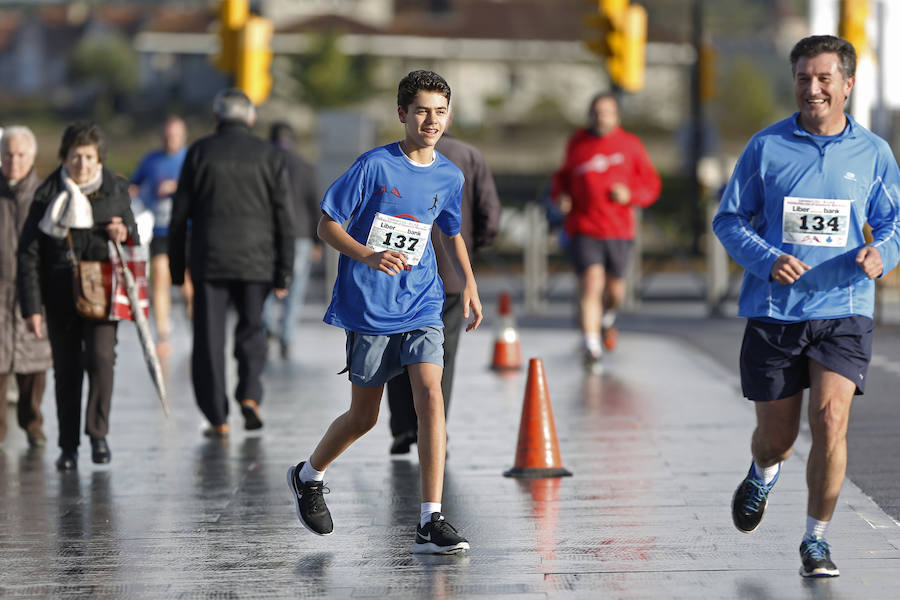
(816, 556)
(310, 502)
(749, 501)
(438, 537)
(593, 363)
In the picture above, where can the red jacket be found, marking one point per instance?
(591, 166)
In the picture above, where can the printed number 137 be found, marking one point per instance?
(400, 241)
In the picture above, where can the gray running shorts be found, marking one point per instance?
(613, 255)
(374, 359)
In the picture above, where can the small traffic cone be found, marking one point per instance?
(507, 349)
(537, 454)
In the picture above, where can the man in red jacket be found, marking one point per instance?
(605, 174)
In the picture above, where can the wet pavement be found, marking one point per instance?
(656, 444)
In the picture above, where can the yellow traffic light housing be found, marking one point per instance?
(233, 14)
(707, 71)
(254, 59)
(622, 40)
(852, 25)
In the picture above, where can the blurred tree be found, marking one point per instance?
(329, 78)
(109, 65)
(747, 100)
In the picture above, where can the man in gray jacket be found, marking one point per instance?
(22, 353)
(480, 224)
(234, 190)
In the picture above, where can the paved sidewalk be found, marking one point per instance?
(656, 444)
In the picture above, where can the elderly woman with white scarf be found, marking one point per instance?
(84, 202)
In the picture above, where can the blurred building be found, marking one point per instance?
(503, 58)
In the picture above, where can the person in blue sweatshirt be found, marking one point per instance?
(793, 216)
(389, 298)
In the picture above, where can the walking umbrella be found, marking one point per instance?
(143, 329)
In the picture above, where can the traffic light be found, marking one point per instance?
(254, 59)
(852, 25)
(233, 15)
(622, 40)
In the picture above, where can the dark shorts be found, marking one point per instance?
(613, 255)
(374, 359)
(159, 245)
(775, 356)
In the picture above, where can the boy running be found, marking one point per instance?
(389, 298)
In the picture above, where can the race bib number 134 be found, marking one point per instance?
(401, 235)
(816, 221)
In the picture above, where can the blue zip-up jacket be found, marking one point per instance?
(784, 160)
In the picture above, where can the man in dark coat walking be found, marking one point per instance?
(234, 190)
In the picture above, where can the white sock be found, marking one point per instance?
(592, 343)
(307, 473)
(815, 528)
(427, 509)
(766, 474)
(609, 319)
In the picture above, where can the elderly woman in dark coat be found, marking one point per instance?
(23, 354)
(83, 204)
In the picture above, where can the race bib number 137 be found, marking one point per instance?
(401, 235)
(816, 221)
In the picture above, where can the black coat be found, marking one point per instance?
(305, 189)
(43, 260)
(234, 190)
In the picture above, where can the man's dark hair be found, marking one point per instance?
(418, 81)
(281, 133)
(815, 45)
(82, 133)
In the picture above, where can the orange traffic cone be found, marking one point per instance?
(537, 454)
(507, 349)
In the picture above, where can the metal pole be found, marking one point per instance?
(696, 127)
(716, 267)
(535, 259)
(633, 276)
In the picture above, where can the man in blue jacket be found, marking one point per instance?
(793, 215)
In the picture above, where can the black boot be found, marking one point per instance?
(67, 461)
(100, 453)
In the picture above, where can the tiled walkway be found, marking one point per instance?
(656, 445)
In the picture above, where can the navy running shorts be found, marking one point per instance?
(775, 356)
(374, 359)
(613, 255)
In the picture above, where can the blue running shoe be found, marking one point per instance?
(816, 556)
(749, 501)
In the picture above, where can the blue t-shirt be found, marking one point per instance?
(155, 168)
(385, 183)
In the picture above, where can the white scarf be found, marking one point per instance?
(71, 207)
